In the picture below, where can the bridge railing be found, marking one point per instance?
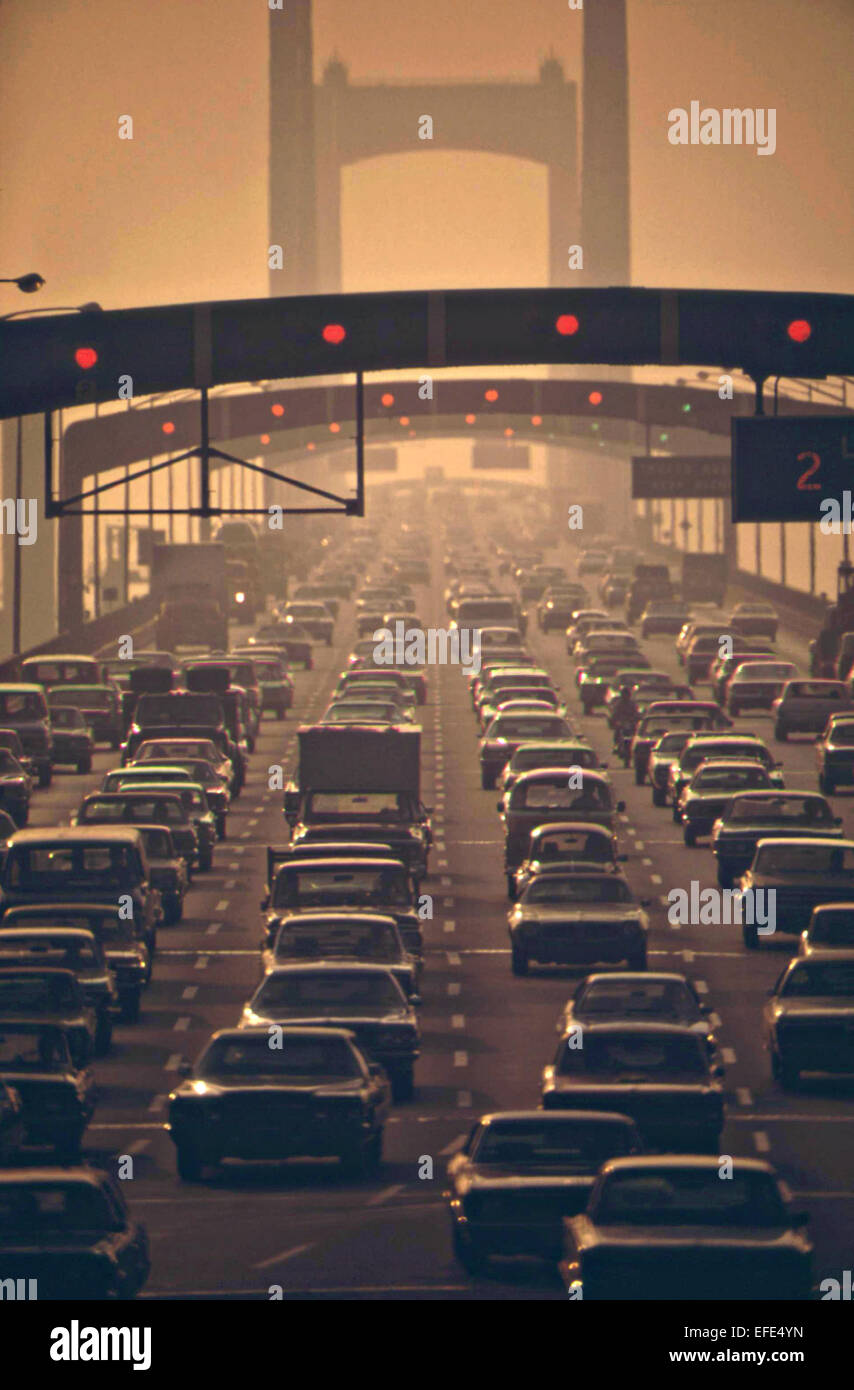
(98, 637)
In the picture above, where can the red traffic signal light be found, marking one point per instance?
(334, 333)
(566, 325)
(595, 398)
(85, 357)
(799, 330)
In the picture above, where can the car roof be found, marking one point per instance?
(698, 1162)
(638, 977)
(823, 841)
(541, 773)
(56, 970)
(65, 933)
(50, 1176)
(551, 1117)
(22, 910)
(371, 861)
(830, 956)
(324, 966)
(671, 1030)
(262, 1030)
(564, 827)
(74, 835)
(60, 656)
(20, 688)
(356, 919)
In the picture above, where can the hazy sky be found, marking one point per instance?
(180, 212)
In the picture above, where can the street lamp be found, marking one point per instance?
(27, 284)
(89, 308)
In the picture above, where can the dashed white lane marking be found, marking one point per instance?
(443, 863)
(461, 1059)
(458, 1021)
(201, 963)
(762, 1142)
(701, 987)
(182, 1024)
(173, 1062)
(190, 992)
(454, 1145)
(639, 844)
(646, 861)
(715, 1019)
(387, 1192)
(728, 1055)
(157, 1104)
(138, 1146)
(245, 834)
(446, 882)
(282, 1256)
(687, 955)
(212, 929)
(464, 1100)
(743, 1095)
(454, 958)
(656, 878)
(454, 987)
(450, 925)
(231, 883)
(448, 902)
(222, 905)
(252, 821)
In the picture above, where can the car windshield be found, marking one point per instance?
(25, 994)
(327, 993)
(833, 926)
(693, 756)
(559, 796)
(532, 758)
(528, 726)
(571, 844)
(357, 712)
(90, 699)
(152, 710)
(33, 1049)
(387, 806)
(67, 718)
(66, 866)
(126, 810)
(763, 671)
(325, 941)
(562, 1143)
(690, 1197)
(312, 887)
(817, 979)
(17, 706)
(814, 690)
(729, 778)
(158, 843)
(37, 1211)
(165, 750)
(630, 1056)
(811, 861)
(667, 1000)
(252, 1057)
(672, 743)
(577, 889)
(269, 670)
(781, 810)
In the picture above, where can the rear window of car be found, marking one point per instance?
(64, 866)
(814, 690)
(38, 1209)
